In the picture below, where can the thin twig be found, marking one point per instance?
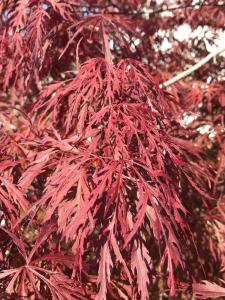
(192, 68)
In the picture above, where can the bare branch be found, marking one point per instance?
(193, 68)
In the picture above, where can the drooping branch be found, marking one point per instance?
(193, 68)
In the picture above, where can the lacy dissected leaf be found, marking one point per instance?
(32, 270)
(141, 264)
(207, 290)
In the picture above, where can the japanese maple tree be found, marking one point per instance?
(112, 149)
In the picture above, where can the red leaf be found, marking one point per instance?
(207, 290)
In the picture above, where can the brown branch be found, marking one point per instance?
(193, 68)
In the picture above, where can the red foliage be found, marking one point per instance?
(99, 176)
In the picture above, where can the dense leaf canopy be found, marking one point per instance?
(112, 156)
